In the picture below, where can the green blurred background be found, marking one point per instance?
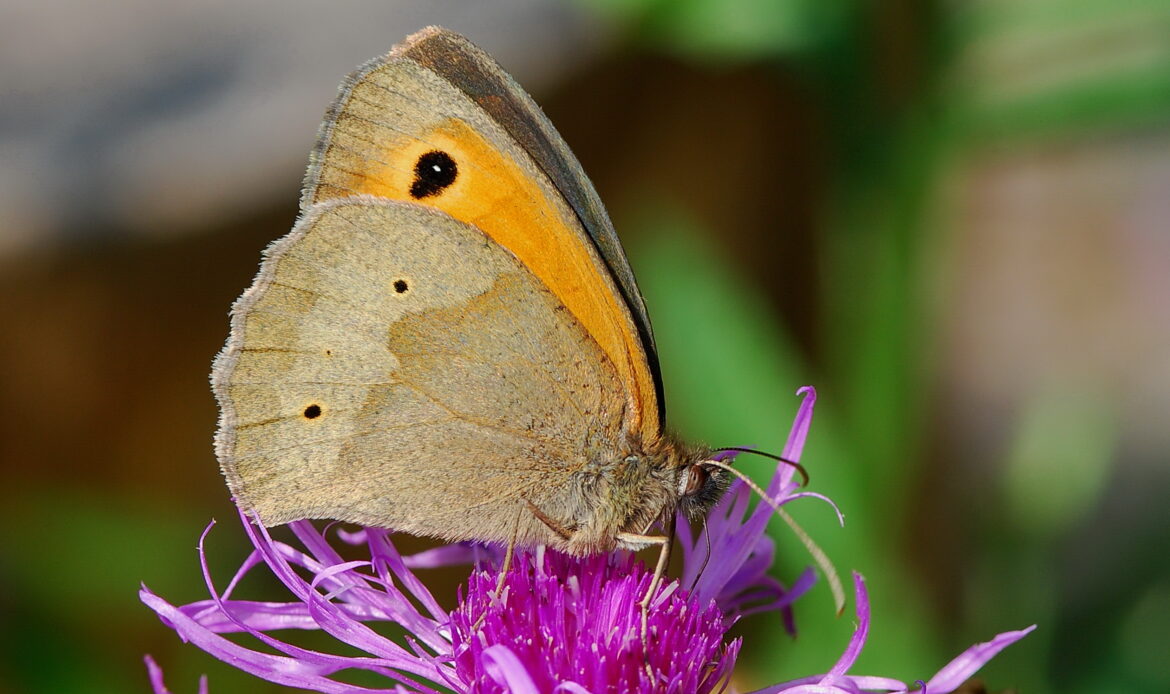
(952, 218)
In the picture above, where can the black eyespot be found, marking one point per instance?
(401, 286)
(433, 172)
(312, 411)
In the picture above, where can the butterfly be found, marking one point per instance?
(450, 341)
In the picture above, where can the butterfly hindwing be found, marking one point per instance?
(391, 364)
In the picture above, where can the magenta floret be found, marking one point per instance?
(562, 619)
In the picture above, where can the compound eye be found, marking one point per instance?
(696, 478)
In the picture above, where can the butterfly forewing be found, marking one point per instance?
(404, 130)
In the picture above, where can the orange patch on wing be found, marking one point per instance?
(492, 192)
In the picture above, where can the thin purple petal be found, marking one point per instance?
(502, 665)
(800, 426)
(969, 661)
(822, 497)
(857, 642)
(878, 684)
(453, 555)
(155, 674)
(332, 620)
(279, 669)
(391, 657)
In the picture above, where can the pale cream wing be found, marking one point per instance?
(393, 366)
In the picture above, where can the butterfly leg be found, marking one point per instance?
(665, 543)
(551, 524)
(504, 568)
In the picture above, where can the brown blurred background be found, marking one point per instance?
(951, 218)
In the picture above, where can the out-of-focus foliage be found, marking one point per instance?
(710, 30)
(974, 498)
(1035, 70)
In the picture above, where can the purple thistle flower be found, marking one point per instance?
(559, 623)
(563, 619)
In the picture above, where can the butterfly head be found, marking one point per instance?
(700, 486)
(689, 482)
